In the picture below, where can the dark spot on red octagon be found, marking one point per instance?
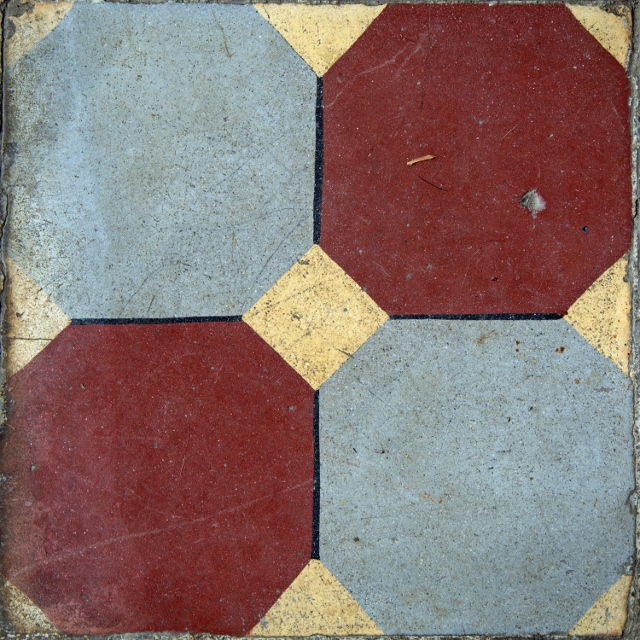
(172, 487)
(510, 99)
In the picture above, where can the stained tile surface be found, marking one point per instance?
(317, 319)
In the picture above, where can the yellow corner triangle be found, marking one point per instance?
(611, 30)
(608, 615)
(32, 26)
(22, 613)
(315, 603)
(320, 34)
(31, 318)
(315, 316)
(602, 314)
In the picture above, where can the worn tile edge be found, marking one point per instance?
(9, 635)
(632, 627)
(591, 3)
(4, 208)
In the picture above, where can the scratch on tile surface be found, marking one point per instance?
(151, 532)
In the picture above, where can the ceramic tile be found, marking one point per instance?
(602, 314)
(194, 143)
(32, 318)
(315, 603)
(500, 446)
(168, 472)
(509, 100)
(317, 319)
(320, 33)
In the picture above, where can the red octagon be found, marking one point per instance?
(509, 99)
(160, 478)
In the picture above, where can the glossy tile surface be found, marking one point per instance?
(317, 319)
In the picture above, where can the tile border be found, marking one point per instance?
(632, 627)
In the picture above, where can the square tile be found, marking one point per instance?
(317, 319)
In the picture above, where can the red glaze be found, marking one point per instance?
(161, 478)
(509, 98)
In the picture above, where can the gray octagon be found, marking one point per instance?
(475, 476)
(160, 160)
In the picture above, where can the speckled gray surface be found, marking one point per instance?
(144, 145)
(470, 472)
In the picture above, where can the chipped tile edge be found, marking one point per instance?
(28, 24)
(612, 29)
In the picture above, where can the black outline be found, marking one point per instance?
(85, 321)
(317, 191)
(481, 316)
(315, 521)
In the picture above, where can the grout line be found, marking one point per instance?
(317, 192)
(85, 321)
(482, 316)
(191, 319)
(315, 522)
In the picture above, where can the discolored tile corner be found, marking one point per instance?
(28, 23)
(22, 613)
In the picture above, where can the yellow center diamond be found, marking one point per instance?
(316, 317)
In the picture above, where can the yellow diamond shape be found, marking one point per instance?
(316, 317)
(316, 603)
